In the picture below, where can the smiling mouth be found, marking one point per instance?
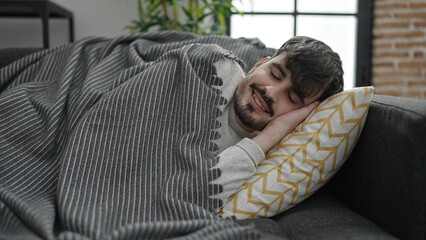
(257, 101)
(262, 104)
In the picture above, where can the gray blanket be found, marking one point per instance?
(111, 139)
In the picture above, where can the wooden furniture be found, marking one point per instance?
(38, 8)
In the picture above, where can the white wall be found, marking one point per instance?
(106, 18)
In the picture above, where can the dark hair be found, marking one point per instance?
(314, 67)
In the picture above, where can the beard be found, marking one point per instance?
(246, 112)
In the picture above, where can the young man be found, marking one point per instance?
(269, 102)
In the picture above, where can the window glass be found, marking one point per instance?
(339, 32)
(327, 6)
(264, 5)
(273, 30)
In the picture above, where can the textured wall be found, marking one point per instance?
(399, 48)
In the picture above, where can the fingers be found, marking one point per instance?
(315, 104)
(304, 112)
(312, 105)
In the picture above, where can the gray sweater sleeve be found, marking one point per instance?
(237, 163)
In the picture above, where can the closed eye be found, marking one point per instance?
(275, 76)
(280, 69)
(290, 97)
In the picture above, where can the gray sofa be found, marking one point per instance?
(380, 192)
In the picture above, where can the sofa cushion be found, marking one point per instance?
(323, 217)
(269, 228)
(384, 179)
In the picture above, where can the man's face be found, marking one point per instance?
(266, 93)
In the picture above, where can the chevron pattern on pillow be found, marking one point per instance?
(305, 159)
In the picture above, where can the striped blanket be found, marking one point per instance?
(111, 139)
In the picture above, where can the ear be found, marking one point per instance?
(260, 62)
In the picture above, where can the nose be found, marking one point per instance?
(274, 92)
(269, 92)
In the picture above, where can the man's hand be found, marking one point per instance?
(279, 127)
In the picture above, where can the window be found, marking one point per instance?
(344, 25)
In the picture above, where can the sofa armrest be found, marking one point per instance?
(384, 178)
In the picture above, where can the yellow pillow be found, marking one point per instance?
(305, 159)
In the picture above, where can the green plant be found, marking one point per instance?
(183, 15)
